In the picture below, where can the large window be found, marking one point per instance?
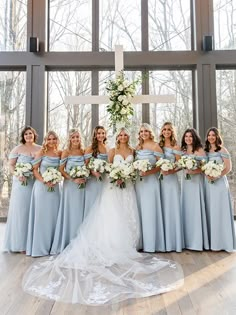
(179, 85)
(70, 25)
(13, 26)
(12, 120)
(226, 109)
(61, 116)
(224, 24)
(169, 25)
(120, 24)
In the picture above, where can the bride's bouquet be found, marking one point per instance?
(165, 165)
(79, 172)
(100, 166)
(52, 175)
(213, 169)
(23, 170)
(187, 163)
(122, 172)
(142, 166)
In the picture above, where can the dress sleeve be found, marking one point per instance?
(225, 155)
(13, 156)
(159, 154)
(63, 161)
(88, 156)
(36, 161)
(178, 152)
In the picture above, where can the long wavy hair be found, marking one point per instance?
(95, 150)
(45, 139)
(117, 145)
(173, 137)
(71, 133)
(219, 140)
(22, 135)
(151, 134)
(196, 144)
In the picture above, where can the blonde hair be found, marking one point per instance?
(173, 138)
(151, 134)
(45, 139)
(117, 146)
(71, 133)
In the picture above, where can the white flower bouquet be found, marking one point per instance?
(52, 175)
(165, 165)
(213, 169)
(98, 165)
(23, 170)
(187, 163)
(122, 172)
(79, 172)
(121, 92)
(142, 166)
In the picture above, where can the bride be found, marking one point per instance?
(101, 265)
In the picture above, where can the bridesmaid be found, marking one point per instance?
(44, 204)
(97, 150)
(18, 214)
(219, 208)
(71, 210)
(192, 195)
(170, 191)
(148, 193)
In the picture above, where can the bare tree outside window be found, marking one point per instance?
(120, 24)
(179, 84)
(225, 24)
(13, 25)
(169, 25)
(12, 120)
(63, 117)
(226, 110)
(70, 25)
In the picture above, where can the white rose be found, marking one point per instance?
(189, 164)
(123, 111)
(165, 167)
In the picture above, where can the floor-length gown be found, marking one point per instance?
(18, 214)
(149, 205)
(101, 265)
(194, 210)
(170, 199)
(71, 211)
(219, 210)
(44, 208)
(93, 186)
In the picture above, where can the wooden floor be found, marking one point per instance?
(209, 289)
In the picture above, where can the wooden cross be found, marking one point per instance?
(103, 99)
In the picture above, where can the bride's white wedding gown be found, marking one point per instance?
(101, 265)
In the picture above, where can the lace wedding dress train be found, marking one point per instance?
(101, 265)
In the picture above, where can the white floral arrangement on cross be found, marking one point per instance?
(120, 93)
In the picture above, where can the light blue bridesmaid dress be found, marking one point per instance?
(44, 208)
(149, 205)
(93, 187)
(18, 214)
(170, 199)
(71, 209)
(194, 210)
(219, 210)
